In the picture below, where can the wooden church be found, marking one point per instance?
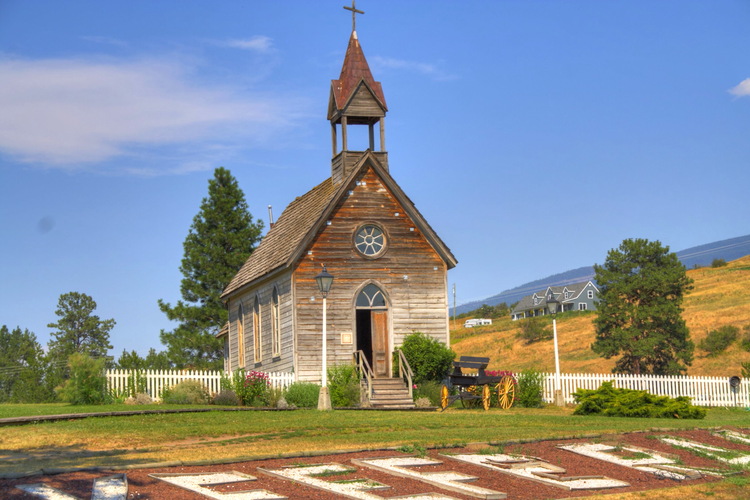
(390, 268)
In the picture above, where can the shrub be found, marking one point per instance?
(139, 399)
(612, 402)
(226, 397)
(252, 388)
(745, 341)
(256, 388)
(429, 359)
(533, 330)
(136, 384)
(303, 394)
(428, 389)
(530, 386)
(187, 392)
(718, 263)
(718, 340)
(87, 384)
(423, 402)
(343, 385)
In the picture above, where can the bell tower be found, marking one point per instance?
(356, 100)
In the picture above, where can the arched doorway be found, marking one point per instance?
(372, 329)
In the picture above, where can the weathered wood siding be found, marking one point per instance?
(284, 362)
(410, 273)
(363, 104)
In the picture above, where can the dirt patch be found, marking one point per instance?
(142, 486)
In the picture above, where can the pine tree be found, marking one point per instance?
(78, 329)
(221, 238)
(639, 312)
(22, 366)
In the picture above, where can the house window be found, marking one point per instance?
(256, 331)
(582, 306)
(276, 324)
(567, 295)
(591, 294)
(241, 336)
(369, 240)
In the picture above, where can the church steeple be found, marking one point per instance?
(356, 99)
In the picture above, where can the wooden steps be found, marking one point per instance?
(390, 393)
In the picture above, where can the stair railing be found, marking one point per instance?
(364, 370)
(404, 372)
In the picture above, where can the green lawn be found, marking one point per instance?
(21, 410)
(139, 439)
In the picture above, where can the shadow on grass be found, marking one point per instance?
(67, 457)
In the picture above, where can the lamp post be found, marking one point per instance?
(324, 280)
(552, 305)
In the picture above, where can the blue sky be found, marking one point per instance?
(533, 135)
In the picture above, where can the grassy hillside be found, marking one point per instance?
(721, 296)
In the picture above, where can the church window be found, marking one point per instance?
(241, 336)
(370, 240)
(256, 331)
(276, 323)
(371, 297)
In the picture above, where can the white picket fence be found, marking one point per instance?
(703, 391)
(158, 380)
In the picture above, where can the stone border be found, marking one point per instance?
(233, 460)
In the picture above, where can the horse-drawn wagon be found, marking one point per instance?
(473, 384)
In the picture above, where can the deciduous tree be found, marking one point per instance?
(639, 313)
(221, 238)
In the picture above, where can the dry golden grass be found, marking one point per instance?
(721, 296)
(724, 490)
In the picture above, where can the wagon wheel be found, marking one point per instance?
(444, 397)
(506, 392)
(486, 397)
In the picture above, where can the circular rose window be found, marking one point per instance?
(370, 240)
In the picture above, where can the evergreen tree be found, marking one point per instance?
(639, 312)
(130, 361)
(78, 329)
(157, 360)
(221, 238)
(153, 361)
(22, 367)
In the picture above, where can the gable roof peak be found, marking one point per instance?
(354, 70)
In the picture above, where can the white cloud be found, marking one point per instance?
(258, 43)
(742, 89)
(68, 113)
(426, 69)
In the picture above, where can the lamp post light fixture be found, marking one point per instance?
(324, 281)
(552, 305)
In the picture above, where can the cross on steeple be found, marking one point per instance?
(354, 10)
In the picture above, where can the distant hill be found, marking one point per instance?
(720, 297)
(699, 256)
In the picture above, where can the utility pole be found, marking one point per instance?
(454, 306)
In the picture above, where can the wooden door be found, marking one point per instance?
(379, 327)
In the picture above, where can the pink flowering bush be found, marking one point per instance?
(256, 389)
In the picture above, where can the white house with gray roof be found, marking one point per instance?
(576, 297)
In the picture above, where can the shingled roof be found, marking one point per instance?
(283, 239)
(300, 221)
(354, 70)
(527, 302)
